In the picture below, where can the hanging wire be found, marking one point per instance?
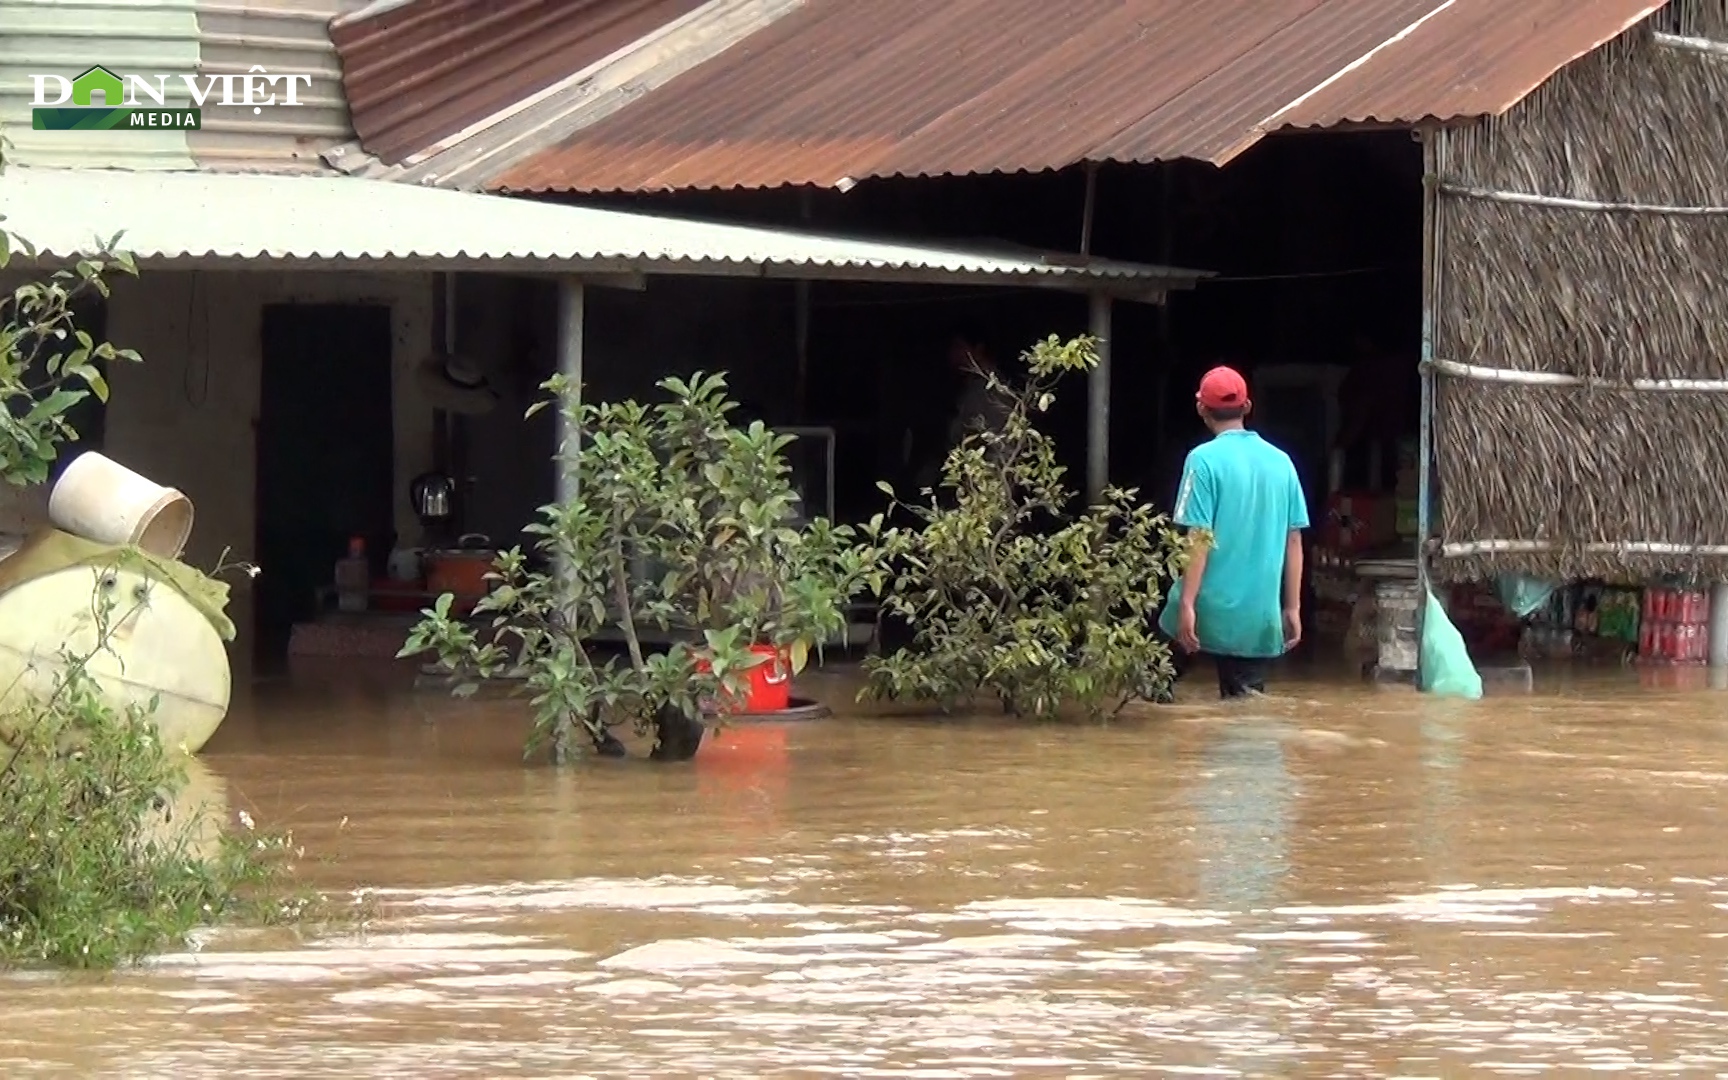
(195, 371)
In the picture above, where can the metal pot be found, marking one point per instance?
(461, 571)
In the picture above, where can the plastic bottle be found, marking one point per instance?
(353, 577)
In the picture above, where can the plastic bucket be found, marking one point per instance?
(770, 688)
(100, 499)
(1395, 605)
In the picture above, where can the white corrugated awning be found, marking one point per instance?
(214, 219)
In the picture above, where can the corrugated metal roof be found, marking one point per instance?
(840, 90)
(283, 36)
(337, 220)
(1494, 55)
(417, 73)
(206, 37)
(49, 37)
(471, 158)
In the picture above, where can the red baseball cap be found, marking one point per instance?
(1223, 388)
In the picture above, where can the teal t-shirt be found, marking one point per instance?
(1245, 491)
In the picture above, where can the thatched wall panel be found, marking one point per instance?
(1578, 466)
(1547, 290)
(1632, 122)
(1606, 294)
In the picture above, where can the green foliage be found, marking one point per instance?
(90, 873)
(47, 364)
(682, 521)
(94, 871)
(1009, 592)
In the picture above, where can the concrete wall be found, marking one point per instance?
(186, 416)
(508, 326)
(631, 339)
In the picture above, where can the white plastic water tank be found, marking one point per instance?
(160, 646)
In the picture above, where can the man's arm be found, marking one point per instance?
(1196, 503)
(1199, 548)
(1293, 571)
(1296, 520)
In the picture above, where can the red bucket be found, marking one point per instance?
(770, 683)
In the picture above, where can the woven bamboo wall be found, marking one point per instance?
(1616, 295)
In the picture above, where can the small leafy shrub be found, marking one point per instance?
(1009, 593)
(47, 364)
(682, 521)
(93, 869)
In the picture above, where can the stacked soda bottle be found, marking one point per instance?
(1675, 626)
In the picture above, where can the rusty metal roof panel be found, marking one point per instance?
(1471, 58)
(419, 72)
(842, 90)
(839, 90)
(1225, 110)
(470, 159)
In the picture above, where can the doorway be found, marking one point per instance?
(326, 457)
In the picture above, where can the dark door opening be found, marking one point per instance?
(326, 456)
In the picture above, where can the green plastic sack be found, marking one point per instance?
(1523, 594)
(1446, 667)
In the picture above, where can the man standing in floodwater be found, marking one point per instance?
(1240, 599)
(977, 407)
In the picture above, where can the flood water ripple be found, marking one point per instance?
(1328, 882)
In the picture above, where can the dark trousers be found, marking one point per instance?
(1238, 676)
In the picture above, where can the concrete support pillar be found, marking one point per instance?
(1098, 402)
(570, 302)
(569, 437)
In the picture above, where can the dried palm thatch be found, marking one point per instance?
(1576, 466)
(1616, 295)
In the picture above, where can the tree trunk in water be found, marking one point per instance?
(676, 736)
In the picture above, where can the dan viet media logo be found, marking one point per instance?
(100, 100)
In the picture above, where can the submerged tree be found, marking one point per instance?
(1007, 591)
(682, 521)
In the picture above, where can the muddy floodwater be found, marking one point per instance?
(1332, 881)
